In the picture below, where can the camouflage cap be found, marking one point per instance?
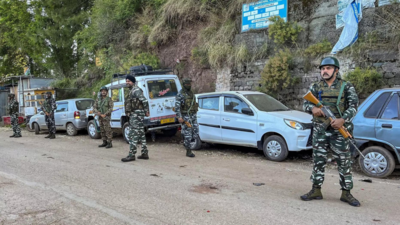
(187, 81)
(11, 95)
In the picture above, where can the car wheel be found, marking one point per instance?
(275, 148)
(125, 131)
(196, 143)
(36, 128)
(92, 131)
(71, 129)
(170, 132)
(378, 162)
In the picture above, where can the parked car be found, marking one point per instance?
(159, 87)
(376, 130)
(70, 115)
(253, 119)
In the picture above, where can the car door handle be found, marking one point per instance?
(387, 125)
(227, 119)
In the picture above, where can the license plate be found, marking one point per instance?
(170, 120)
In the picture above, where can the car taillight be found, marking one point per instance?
(77, 115)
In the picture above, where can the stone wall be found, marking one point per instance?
(319, 23)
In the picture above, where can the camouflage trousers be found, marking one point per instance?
(188, 134)
(136, 133)
(105, 128)
(51, 125)
(15, 125)
(323, 141)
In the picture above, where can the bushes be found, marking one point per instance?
(365, 81)
(318, 49)
(283, 32)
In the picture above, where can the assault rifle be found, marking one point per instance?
(329, 115)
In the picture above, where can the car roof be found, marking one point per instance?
(230, 92)
(74, 99)
(120, 82)
(390, 89)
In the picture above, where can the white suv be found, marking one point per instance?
(253, 119)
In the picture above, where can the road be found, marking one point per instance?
(70, 180)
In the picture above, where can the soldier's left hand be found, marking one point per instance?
(103, 115)
(337, 123)
(147, 114)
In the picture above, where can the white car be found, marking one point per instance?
(253, 119)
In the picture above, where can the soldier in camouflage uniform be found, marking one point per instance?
(186, 109)
(136, 107)
(13, 110)
(49, 106)
(103, 107)
(341, 98)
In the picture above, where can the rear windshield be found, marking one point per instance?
(84, 104)
(162, 88)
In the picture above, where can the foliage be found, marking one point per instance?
(319, 48)
(365, 81)
(283, 32)
(276, 74)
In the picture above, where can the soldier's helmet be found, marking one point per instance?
(48, 93)
(104, 88)
(187, 81)
(11, 95)
(329, 61)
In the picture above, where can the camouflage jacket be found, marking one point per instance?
(350, 98)
(103, 105)
(135, 100)
(184, 101)
(12, 107)
(49, 105)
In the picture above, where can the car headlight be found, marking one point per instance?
(294, 124)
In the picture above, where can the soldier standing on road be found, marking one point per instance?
(186, 109)
(13, 110)
(49, 106)
(136, 107)
(103, 107)
(341, 98)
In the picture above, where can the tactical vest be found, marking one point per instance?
(13, 107)
(103, 104)
(132, 103)
(329, 97)
(47, 106)
(189, 103)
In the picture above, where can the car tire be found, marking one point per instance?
(36, 128)
(275, 148)
(71, 129)
(378, 162)
(91, 129)
(125, 131)
(170, 132)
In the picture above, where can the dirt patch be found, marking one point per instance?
(205, 189)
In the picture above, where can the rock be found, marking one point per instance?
(389, 75)
(391, 67)
(382, 56)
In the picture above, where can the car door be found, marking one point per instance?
(116, 95)
(60, 115)
(387, 126)
(237, 127)
(209, 118)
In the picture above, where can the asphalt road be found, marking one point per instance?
(70, 180)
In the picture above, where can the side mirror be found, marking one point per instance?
(247, 111)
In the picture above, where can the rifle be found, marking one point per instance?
(328, 114)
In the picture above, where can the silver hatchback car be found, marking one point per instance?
(70, 115)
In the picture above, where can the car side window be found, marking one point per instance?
(62, 107)
(376, 106)
(209, 103)
(234, 105)
(116, 95)
(392, 109)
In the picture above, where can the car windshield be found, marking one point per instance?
(266, 103)
(162, 88)
(84, 104)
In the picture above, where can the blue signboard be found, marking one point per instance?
(255, 15)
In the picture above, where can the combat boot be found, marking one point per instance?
(104, 144)
(53, 136)
(18, 136)
(12, 136)
(315, 193)
(144, 156)
(48, 136)
(347, 197)
(129, 158)
(109, 144)
(189, 153)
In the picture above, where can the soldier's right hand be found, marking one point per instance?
(317, 112)
(180, 120)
